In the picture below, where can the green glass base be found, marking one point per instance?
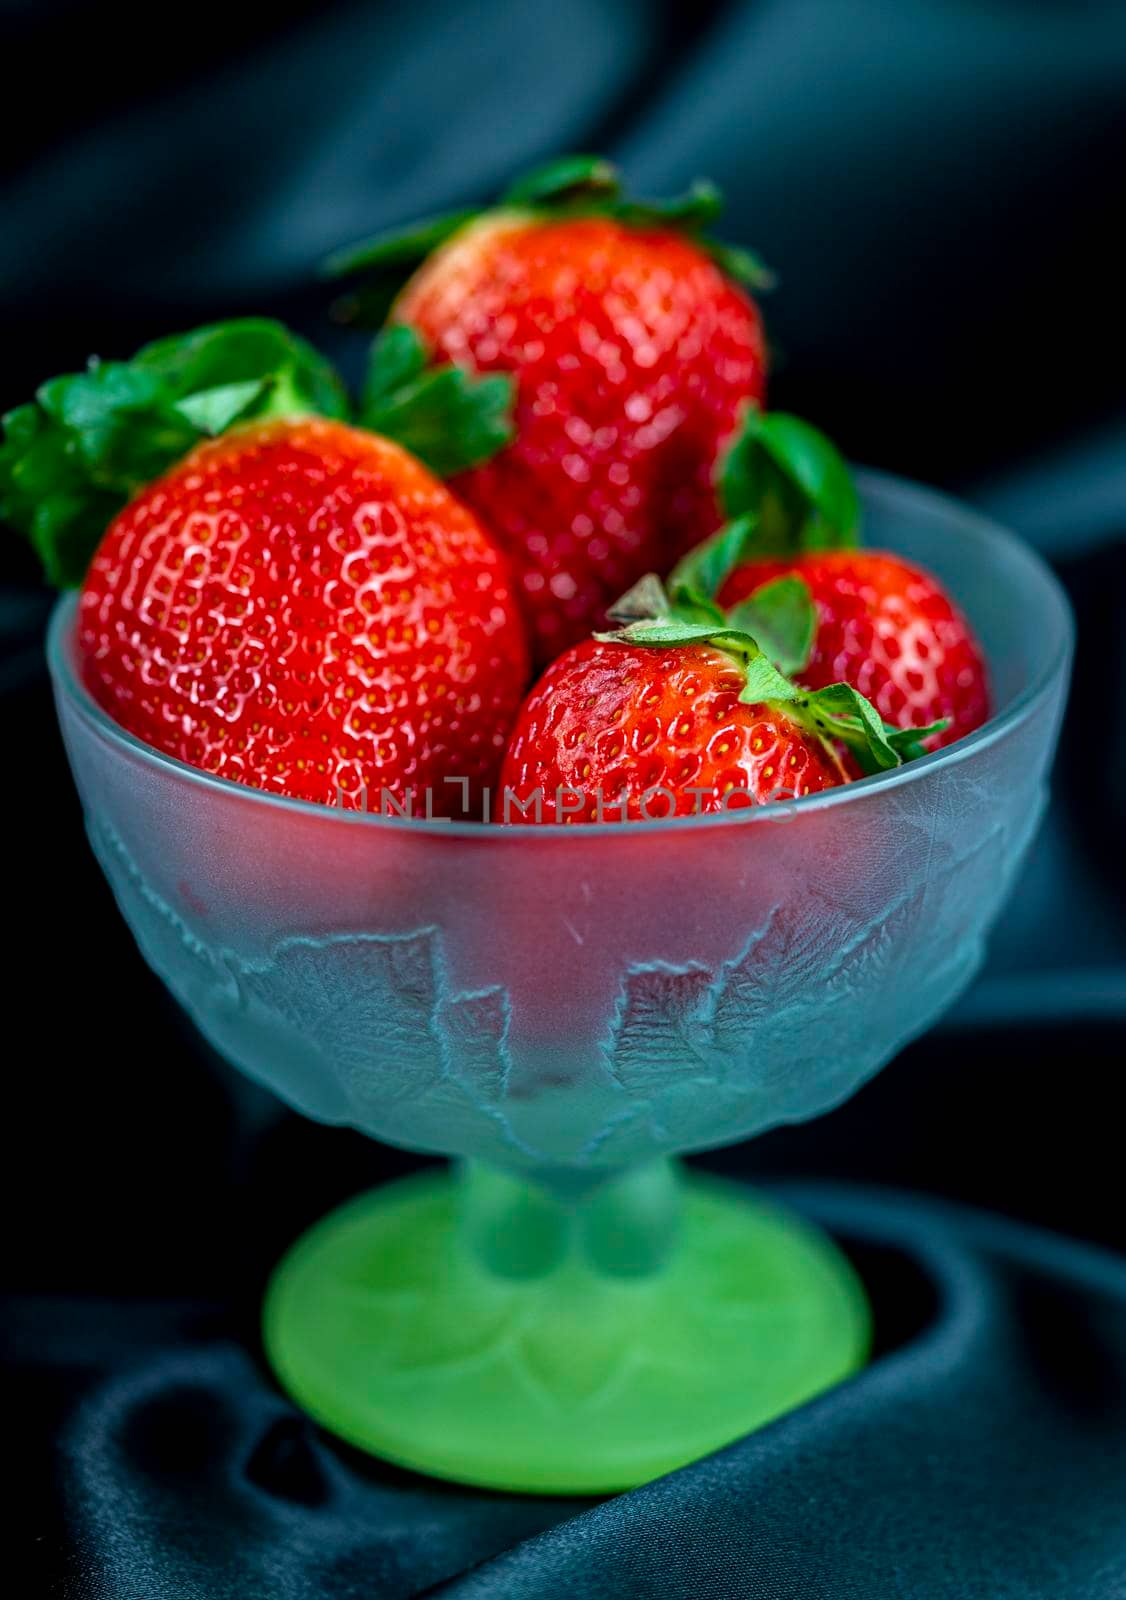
(474, 1330)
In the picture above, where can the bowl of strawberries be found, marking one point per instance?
(558, 761)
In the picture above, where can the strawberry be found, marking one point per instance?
(881, 623)
(888, 628)
(633, 349)
(296, 603)
(676, 715)
(614, 732)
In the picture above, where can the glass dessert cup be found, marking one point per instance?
(564, 1011)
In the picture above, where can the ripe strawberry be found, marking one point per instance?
(614, 732)
(297, 604)
(879, 623)
(303, 607)
(634, 352)
(888, 628)
(674, 717)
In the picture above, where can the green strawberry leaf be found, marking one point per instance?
(698, 207)
(765, 684)
(565, 179)
(780, 614)
(700, 575)
(397, 358)
(387, 261)
(569, 186)
(212, 411)
(122, 423)
(743, 265)
(841, 712)
(72, 458)
(245, 350)
(910, 743)
(782, 617)
(645, 602)
(399, 248)
(448, 417)
(787, 474)
(838, 715)
(662, 631)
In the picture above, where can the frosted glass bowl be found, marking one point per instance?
(572, 1006)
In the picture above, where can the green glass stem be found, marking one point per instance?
(621, 1224)
(568, 1334)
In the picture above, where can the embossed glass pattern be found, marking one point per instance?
(590, 996)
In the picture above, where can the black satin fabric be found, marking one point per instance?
(982, 1453)
(938, 184)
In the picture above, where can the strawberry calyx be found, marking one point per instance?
(786, 491)
(569, 186)
(448, 417)
(838, 715)
(780, 613)
(793, 485)
(75, 455)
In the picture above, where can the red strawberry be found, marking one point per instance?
(298, 604)
(614, 731)
(888, 628)
(878, 622)
(634, 353)
(673, 717)
(303, 607)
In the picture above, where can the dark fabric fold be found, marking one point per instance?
(982, 1450)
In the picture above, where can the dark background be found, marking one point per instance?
(939, 185)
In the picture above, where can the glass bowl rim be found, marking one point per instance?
(887, 487)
